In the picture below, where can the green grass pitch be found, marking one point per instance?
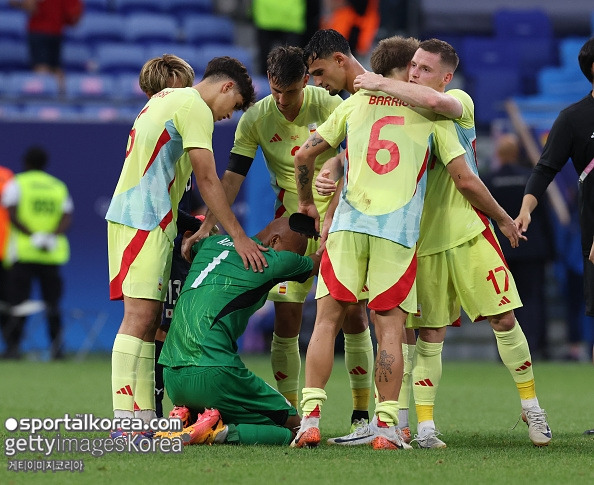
(476, 409)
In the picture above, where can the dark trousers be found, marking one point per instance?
(19, 284)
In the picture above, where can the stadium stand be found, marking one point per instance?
(76, 57)
(14, 56)
(151, 27)
(208, 29)
(121, 57)
(13, 25)
(32, 85)
(98, 27)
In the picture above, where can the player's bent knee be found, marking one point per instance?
(503, 322)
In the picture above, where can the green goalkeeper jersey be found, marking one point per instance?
(218, 298)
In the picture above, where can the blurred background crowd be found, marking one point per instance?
(69, 84)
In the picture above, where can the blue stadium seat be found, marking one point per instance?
(120, 58)
(217, 50)
(14, 55)
(183, 8)
(150, 27)
(128, 89)
(32, 85)
(13, 25)
(208, 29)
(560, 81)
(50, 111)
(80, 87)
(486, 53)
(97, 6)
(103, 112)
(490, 88)
(520, 23)
(76, 57)
(139, 6)
(569, 48)
(98, 27)
(188, 53)
(10, 110)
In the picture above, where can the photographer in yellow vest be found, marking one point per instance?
(40, 210)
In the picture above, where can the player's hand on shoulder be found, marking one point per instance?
(251, 253)
(368, 80)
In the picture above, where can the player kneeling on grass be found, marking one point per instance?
(202, 369)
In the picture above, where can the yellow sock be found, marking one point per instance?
(424, 412)
(526, 389)
(145, 377)
(515, 354)
(312, 397)
(124, 360)
(408, 352)
(286, 366)
(426, 373)
(358, 358)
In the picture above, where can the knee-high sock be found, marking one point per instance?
(145, 382)
(358, 358)
(124, 360)
(258, 434)
(408, 353)
(159, 386)
(286, 366)
(515, 354)
(426, 375)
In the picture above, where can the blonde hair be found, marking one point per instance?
(167, 71)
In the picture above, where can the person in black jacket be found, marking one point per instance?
(572, 136)
(529, 260)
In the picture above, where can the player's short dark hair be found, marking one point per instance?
(285, 65)
(323, 44)
(586, 58)
(229, 68)
(393, 53)
(35, 158)
(446, 51)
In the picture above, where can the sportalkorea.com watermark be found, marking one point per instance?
(46, 441)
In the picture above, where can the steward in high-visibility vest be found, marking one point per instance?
(40, 208)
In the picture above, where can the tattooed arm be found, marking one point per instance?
(304, 174)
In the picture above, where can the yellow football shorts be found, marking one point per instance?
(353, 261)
(139, 262)
(473, 275)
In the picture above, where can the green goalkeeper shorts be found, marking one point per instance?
(240, 396)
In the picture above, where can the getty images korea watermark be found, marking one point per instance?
(130, 440)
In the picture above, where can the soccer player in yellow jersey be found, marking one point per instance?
(463, 266)
(279, 123)
(171, 137)
(372, 240)
(333, 67)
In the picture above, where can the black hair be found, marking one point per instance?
(446, 51)
(228, 67)
(586, 58)
(35, 158)
(285, 65)
(323, 44)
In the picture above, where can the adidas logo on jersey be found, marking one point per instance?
(226, 242)
(275, 138)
